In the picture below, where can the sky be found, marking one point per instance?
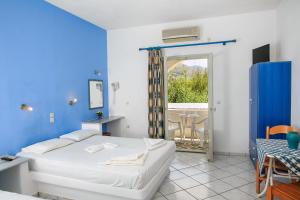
(196, 62)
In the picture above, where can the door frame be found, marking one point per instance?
(211, 107)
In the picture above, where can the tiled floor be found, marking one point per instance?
(193, 178)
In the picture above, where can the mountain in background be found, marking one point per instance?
(189, 70)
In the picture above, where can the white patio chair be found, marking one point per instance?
(174, 126)
(203, 131)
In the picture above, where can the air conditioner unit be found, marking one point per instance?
(181, 34)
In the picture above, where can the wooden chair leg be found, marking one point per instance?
(269, 193)
(257, 179)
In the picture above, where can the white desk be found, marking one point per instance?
(114, 125)
(15, 176)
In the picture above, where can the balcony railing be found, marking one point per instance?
(188, 125)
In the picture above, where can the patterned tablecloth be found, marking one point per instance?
(279, 149)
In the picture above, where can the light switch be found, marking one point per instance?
(52, 118)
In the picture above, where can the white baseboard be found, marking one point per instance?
(231, 154)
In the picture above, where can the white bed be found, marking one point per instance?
(13, 196)
(70, 168)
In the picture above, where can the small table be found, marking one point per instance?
(277, 149)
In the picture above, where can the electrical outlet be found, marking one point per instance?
(52, 118)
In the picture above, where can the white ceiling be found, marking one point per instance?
(113, 14)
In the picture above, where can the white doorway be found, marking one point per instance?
(189, 102)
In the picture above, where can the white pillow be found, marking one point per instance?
(80, 135)
(46, 146)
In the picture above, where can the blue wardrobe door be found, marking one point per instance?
(274, 96)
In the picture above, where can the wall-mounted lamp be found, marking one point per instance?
(97, 72)
(26, 107)
(72, 101)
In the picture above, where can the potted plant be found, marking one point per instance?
(99, 114)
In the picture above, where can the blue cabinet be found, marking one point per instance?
(270, 100)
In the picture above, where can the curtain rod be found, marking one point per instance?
(187, 45)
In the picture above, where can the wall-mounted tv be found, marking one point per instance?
(261, 54)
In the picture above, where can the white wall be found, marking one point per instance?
(288, 29)
(231, 71)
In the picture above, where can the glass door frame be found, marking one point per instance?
(211, 107)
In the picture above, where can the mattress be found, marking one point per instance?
(73, 162)
(14, 196)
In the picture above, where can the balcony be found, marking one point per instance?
(188, 126)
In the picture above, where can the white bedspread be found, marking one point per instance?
(13, 196)
(74, 162)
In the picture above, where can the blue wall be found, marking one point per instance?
(46, 56)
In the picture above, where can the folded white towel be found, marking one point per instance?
(152, 144)
(154, 141)
(129, 160)
(110, 145)
(94, 148)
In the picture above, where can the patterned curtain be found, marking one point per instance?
(156, 94)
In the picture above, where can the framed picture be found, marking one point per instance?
(95, 94)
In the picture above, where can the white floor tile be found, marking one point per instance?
(220, 164)
(218, 186)
(237, 195)
(219, 173)
(206, 167)
(180, 165)
(158, 196)
(235, 181)
(218, 197)
(186, 183)
(194, 162)
(172, 169)
(169, 188)
(247, 175)
(201, 192)
(203, 178)
(175, 160)
(245, 165)
(182, 195)
(176, 175)
(249, 189)
(221, 157)
(234, 169)
(191, 171)
(234, 160)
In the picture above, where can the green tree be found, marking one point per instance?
(184, 88)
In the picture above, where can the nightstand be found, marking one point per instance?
(15, 176)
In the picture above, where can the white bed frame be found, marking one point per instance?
(82, 190)
(14, 196)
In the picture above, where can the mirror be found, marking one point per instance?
(95, 94)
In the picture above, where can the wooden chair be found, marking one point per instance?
(284, 191)
(281, 129)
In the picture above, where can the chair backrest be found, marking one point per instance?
(280, 129)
